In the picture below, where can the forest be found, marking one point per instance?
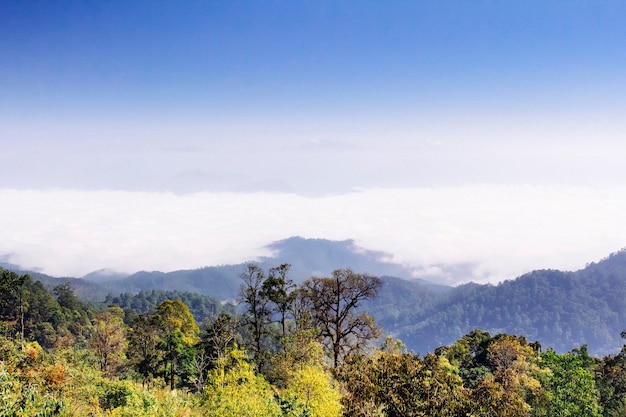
(562, 309)
(307, 349)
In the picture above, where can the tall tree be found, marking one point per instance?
(280, 292)
(396, 383)
(11, 296)
(218, 335)
(257, 315)
(571, 389)
(108, 340)
(179, 334)
(333, 303)
(66, 297)
(143, 340)
(174, 316)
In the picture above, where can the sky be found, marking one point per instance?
(166, 135)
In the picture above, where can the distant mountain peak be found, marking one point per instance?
(319, 257)
(105, 274)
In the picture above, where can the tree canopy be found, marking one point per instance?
(60, 357)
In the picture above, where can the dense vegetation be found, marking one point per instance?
(561, 309)
(293, 350)
(144, 302)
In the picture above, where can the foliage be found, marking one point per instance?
(164, 344)
(202, 307)
(257, 312)
(561, 309)
(58, 357)
(280, 293)
(31, 311)
(311, 392)
(108, 339)
(236, 390)
(218, 336)
(611, 383)
(395, 383)
(571, 389)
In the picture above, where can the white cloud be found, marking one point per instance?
(501, 231)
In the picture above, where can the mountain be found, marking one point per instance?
(217, 281)
(560, 309)
(84, 289)
(104, 275)
(308, 257)
(319, 257)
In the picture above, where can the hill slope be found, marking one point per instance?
(307, 257)
(560, 309)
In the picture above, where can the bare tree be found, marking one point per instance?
(333, 304)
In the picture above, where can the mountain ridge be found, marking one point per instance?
(561, 309)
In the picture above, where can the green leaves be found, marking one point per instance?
(570, 388)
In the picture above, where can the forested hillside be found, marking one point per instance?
(294, 350)
(307, 257)
(560, 309)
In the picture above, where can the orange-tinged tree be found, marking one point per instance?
(108, 339)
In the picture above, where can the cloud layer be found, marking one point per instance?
(498, 231)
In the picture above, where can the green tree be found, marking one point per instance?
(75, 326)
(42, 313)
(143, 341)
(179, 333)
(570, 388)
(218, 336)
(66, 297)
(469, 354)
(174, 316)
(11, 297)
(257, 315)
(280, 292)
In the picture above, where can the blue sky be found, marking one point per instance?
(430, 84)
(313, 99)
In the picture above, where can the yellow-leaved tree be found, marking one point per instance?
(306, 387)
(311, 391)
(235, 390)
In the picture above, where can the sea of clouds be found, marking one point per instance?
(501, 231)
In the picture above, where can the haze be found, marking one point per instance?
(159, 135)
